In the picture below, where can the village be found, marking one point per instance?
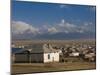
(54, 55)
(53, 52)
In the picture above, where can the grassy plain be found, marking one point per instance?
(51, 67)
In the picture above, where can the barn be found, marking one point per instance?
(36, 53)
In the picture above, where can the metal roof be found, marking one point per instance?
(36, 48)
(17, 50)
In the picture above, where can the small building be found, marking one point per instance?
(90, 56)
(36, 53)
(74, 54)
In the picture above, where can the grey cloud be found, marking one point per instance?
(19, 27)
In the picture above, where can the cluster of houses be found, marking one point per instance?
(46, 53)
(85, 52)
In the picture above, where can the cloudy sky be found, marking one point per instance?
(45, 21)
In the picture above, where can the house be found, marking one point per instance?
(90, 56)
(43, 53)
(74, 54)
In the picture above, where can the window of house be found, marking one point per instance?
(48, 56)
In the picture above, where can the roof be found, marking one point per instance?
(41, 48)
(36, 48)
(17, 50)
(48, 48)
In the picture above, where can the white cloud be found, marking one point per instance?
(52, 30)
(63, 6)
(62, 21)
(63, 26)
(80, 31)
(19, 27)
(67, 27)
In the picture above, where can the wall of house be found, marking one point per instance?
(21, 58)
(25, 58)
(54, 57)
(37, 57)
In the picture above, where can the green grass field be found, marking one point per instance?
(50, 67)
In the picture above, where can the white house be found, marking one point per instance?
(74, 54)
(50, 54)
